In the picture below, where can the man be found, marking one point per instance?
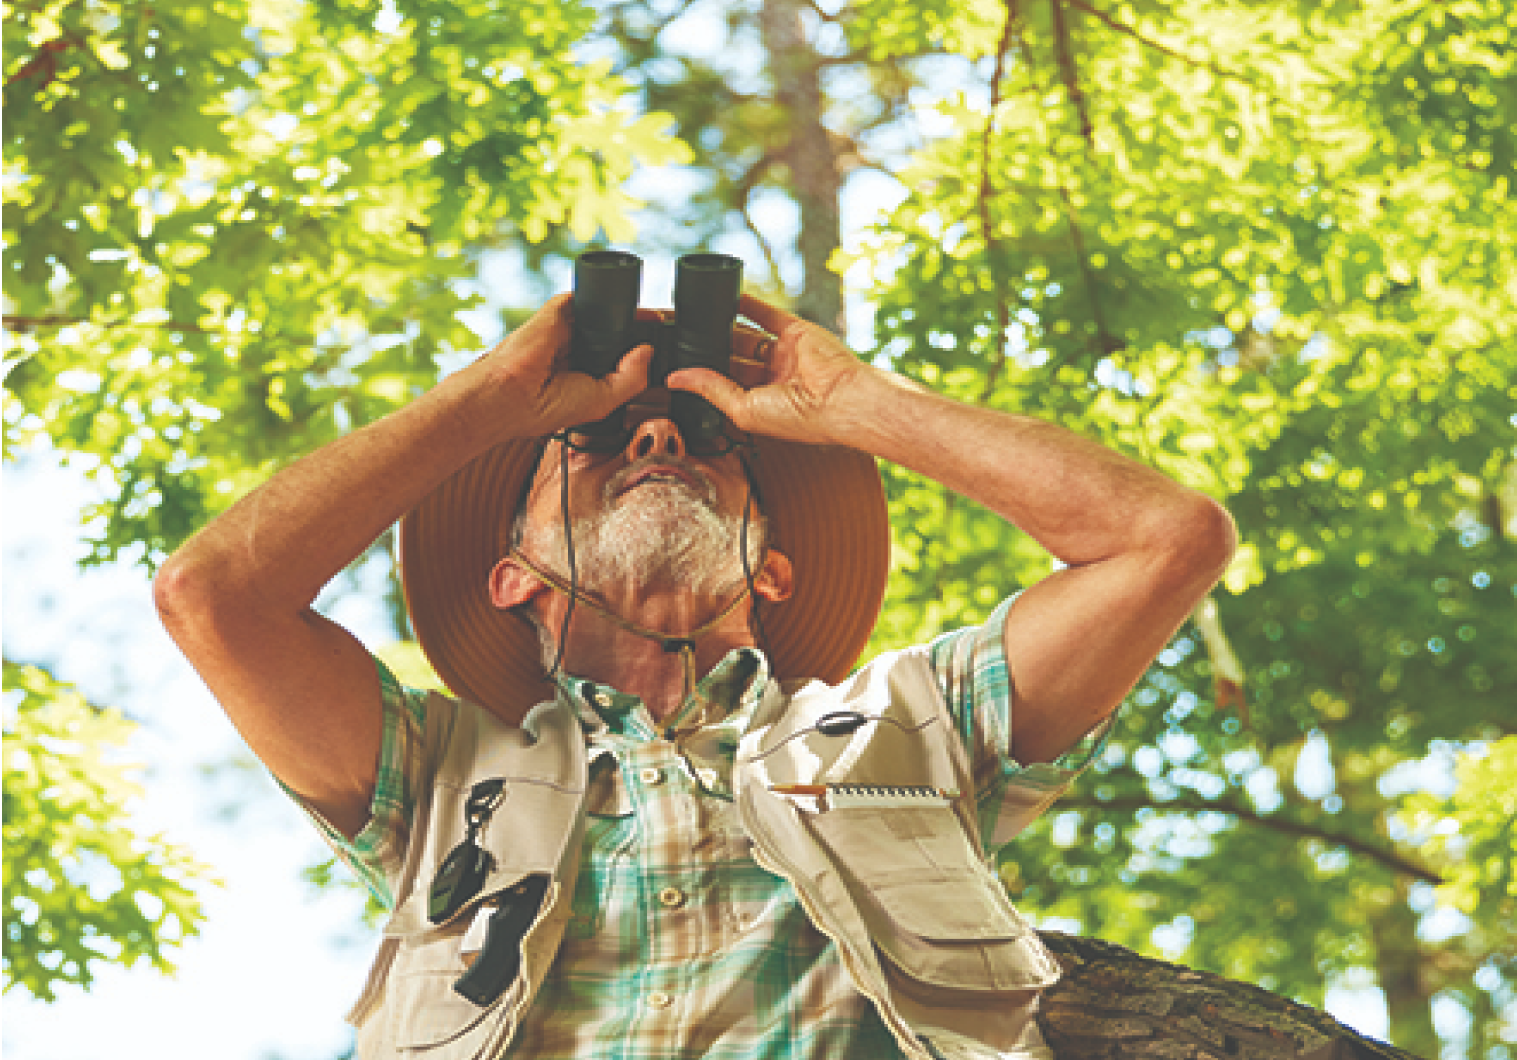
(702, 837)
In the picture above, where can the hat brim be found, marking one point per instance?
(826, 512)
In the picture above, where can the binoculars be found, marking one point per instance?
(706, 289)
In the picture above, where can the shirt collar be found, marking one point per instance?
(726, 696)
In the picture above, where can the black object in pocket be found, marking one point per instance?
(499, 962)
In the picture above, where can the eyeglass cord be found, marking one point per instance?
(682, 643)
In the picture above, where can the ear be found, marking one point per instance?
(776, 578)
(512, 585)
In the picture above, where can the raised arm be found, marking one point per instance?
(237, 596)
(1139, 549)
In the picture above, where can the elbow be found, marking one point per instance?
(1208, 537)
(188, 594)
(176, 590)
(1196, 539)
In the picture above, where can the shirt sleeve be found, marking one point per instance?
(970, 665)
(377, 853)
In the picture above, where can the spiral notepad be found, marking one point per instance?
(878, 796)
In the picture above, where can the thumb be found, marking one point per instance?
(631, 375)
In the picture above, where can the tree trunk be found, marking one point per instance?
(816, 182)
(1399, 968)
(1114, 1004)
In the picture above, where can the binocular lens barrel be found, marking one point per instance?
(706, 289)
(606, 284)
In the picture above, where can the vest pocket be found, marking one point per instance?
(931, 906)
(431, 1019)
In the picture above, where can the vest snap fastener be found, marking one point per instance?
(659, 999)
(651, 775)
(671, 897)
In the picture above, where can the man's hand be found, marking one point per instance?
(237, 597)
(531, 391)
(1137, 550)
(813, 390)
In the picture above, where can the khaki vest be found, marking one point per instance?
(924, 929)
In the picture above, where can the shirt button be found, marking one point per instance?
(671, 897)
(650, 775)
(659, 999)
(707, 777)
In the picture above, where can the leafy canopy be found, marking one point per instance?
(1267, 248)
(82, 886)
(1264, 246)
(234, 230)
(239, 228)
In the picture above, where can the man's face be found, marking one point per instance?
(649, 513)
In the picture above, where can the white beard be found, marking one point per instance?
(660, 535)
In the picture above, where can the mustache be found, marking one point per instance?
(693, 475)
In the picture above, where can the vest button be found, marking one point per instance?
(659, 999)
(671, 897)
(651, 775)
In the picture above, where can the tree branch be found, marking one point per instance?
(1106, 342)
(864, 57)
(19, 323)
(1389, 858)
(743, 191)
(1155, 45)
(993, 246)
(1069, 73)
(764, 245)
(45, 61)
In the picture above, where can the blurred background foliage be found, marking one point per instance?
(81, 885)
(1266, 246)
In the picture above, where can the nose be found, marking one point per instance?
(655, 437)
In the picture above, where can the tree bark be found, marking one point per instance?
(1114, 1004)
(1399, 967)
(815, 177)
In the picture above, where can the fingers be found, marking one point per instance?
(772, 319)
(716, 388)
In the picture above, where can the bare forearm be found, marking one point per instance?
(278, 546)
(1081, 501)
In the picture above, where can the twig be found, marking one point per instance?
(1069, 73)
(1156, 46)
(993, 246)
(1389, 858)
(46, 60)
(1106, 342)
(19, 323)
(761, 239)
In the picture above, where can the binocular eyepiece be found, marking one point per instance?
(706, 290)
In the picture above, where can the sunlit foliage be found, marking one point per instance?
(82, 885)
(1266, 246)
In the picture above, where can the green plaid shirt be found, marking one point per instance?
(679, 944)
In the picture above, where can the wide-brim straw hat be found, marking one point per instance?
(826, 512)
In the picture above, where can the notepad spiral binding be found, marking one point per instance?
(844, 796)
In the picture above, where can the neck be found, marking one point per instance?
(636, 638)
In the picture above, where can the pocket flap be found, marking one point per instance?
(950, 909)
(953, 931)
